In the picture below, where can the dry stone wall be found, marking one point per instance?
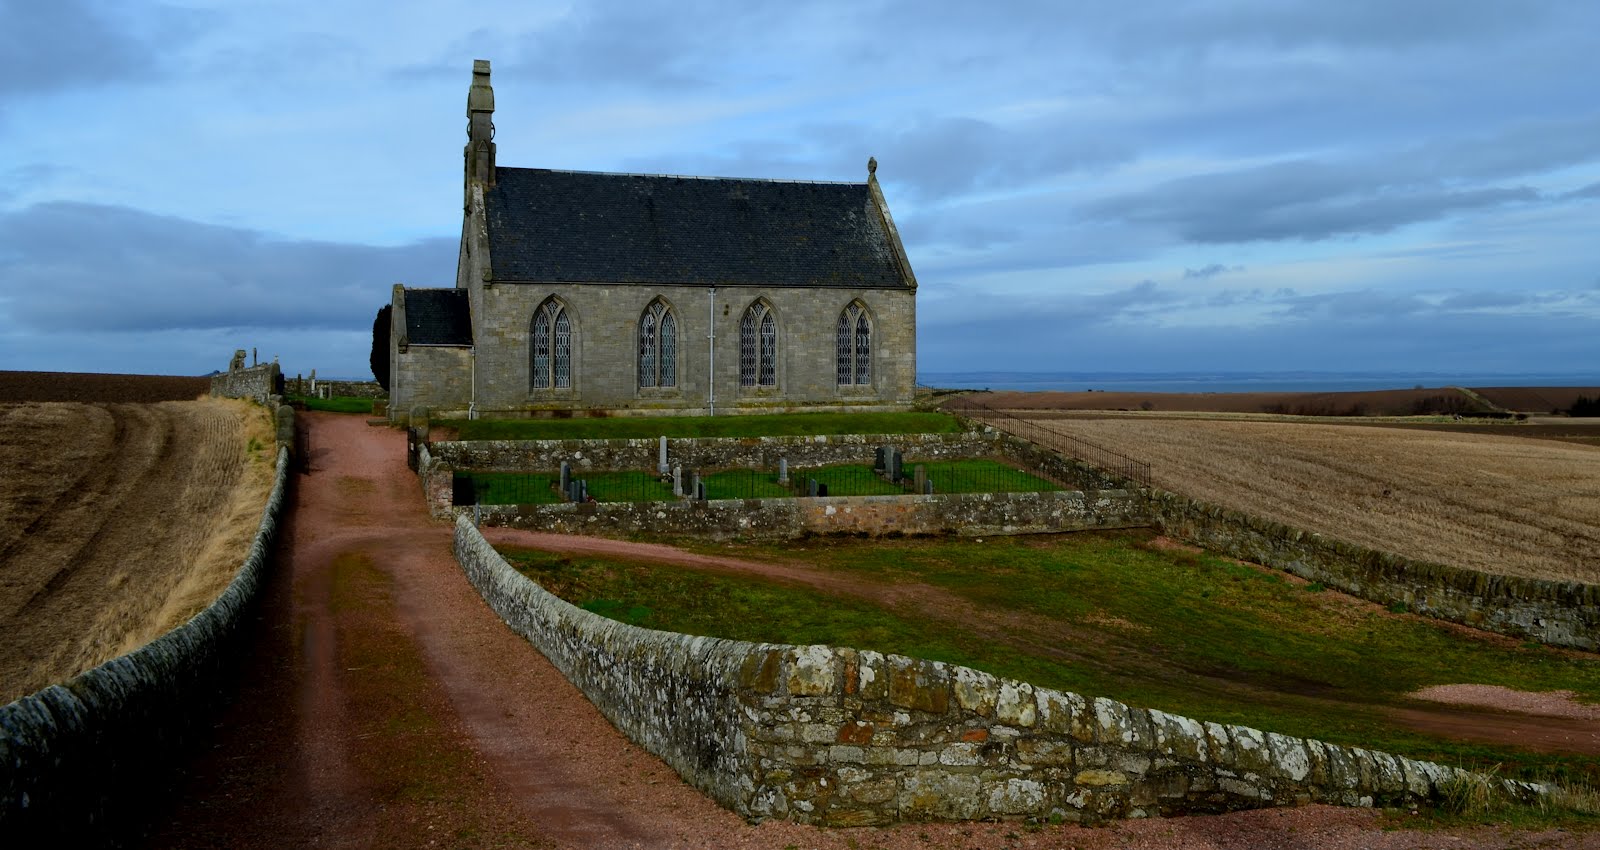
(964, 514)
(76, 755)
(842, 737)
(255, 382)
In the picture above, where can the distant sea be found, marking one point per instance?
(1244, 382)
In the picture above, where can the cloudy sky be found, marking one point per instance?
(1392, 185)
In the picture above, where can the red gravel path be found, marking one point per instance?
(385, 705)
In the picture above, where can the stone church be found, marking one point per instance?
(584, 293)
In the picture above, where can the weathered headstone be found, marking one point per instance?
(694, 483)
(700, 490)
(677, 481)
(919, 477)
(927, 488)
(811, 486)
(566, 476)
(783, 470)
(894, 465)
(661, 457)
(880, 460)
(822, 489)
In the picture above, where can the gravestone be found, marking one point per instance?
(677, 481)
(783, 470)
(811, 486)
(919, 477)
(822, 489)
(694, 484)
(700, 490)
(566, 476)
(880, 459)
(927, 488)
(661, 457)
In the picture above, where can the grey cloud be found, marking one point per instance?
(85, 267)
(62, 44)
(1209, 271)
(1346, 331)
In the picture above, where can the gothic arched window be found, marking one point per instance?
(658, 346)
(758, 347)
(550, 347)
(853, 345)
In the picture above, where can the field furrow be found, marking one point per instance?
(1491, 502)
(118, 522)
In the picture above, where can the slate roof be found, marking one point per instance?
(576, 226)
(438, 317)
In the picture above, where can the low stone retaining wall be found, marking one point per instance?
(74, 755)
(1556, 613)
(965, 514)
(703, 452)
(444, 458)
(843, 737)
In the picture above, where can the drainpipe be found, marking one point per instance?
(711, 361)
(472, 403)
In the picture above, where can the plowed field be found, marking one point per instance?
(1499, 504)
(117, 522)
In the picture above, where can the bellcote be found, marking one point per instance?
(479, 152)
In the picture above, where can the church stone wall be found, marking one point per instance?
(606, 359)
(436, 377)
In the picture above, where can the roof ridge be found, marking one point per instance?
(682, 176)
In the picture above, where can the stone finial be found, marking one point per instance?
(872, 165)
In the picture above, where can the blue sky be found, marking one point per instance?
(1402, 185)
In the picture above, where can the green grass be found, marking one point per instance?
(515, 488)
(1114, 615)
(981, 475)
(768, 425)
(338, 404)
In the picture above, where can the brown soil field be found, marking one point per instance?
(1536, 399)
(1368, 403)
(1482, 501)
(90, 386)
(118, 522)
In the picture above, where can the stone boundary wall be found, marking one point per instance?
(348, 389)
(703, 452)
(963, 514)
(733, 453)
(256, 382)
(1557, 613)
(75, 755)
(842, 737)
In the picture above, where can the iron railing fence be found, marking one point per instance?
(1106, 460)
(962, 476)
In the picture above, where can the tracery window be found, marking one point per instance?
(550, 340)
(658, 346)
(758, 347)
(853, 345)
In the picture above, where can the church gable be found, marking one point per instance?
(588, 227)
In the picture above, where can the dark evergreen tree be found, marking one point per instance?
(1585, 406)
(380, 346)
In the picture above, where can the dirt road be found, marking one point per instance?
(385, 705)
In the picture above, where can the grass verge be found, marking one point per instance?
(766, 425)
(1119, 615)
(337, 404)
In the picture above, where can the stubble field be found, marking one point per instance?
(118, 522)
(1486, 501)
